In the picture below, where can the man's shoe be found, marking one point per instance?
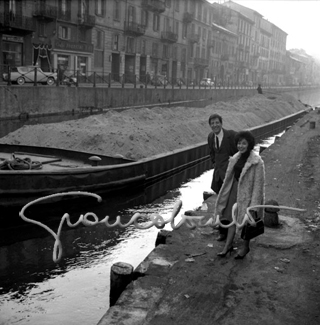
(221, 237)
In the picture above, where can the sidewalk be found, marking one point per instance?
(278, 282)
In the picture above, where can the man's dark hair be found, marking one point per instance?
(214, 116)
(247, 135)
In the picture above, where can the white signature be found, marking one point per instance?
(155, 219)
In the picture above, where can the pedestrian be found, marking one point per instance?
(259, 89)
(222, 146)
(243, 185)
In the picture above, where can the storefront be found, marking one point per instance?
(12, 49)
(73, 57)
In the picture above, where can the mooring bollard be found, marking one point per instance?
(162, 237)
(120, 277)
(271, 218)
(312, 124)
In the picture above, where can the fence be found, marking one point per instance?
(35, 75)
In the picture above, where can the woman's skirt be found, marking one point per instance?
(227, 212)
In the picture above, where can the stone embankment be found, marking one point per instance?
(184, 281)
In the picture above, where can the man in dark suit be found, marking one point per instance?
(222, 145)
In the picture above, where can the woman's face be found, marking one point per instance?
(242, 145)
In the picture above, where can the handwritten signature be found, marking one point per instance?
(155, 219)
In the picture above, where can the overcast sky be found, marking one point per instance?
(298, 18)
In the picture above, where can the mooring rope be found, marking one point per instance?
(155, 219)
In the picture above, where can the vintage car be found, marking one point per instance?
(21, 75)
(206, 82)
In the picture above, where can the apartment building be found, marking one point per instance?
(134, 40)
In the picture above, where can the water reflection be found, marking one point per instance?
(36, 291)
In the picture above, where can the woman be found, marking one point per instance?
(244, 185)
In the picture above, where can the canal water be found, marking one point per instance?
(34, 290)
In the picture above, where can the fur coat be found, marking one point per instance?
(250, 186)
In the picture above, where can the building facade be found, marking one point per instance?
(136, 40)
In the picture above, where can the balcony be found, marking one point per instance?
(194, 38)
(22, 23)
(134, 29)
(156, 6)
(243, 64)
(256, 55)
(188, 17)
(199, 62)
(169, 37)
(48, 13)
(86, 21)
(240, 47)
(210, 43)
(66, 16)
(224, 57)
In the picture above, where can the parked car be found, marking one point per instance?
(206, 82)
(24, 74)
(159, 80)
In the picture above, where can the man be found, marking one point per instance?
(222, 145)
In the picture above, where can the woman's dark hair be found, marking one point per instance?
(247, 135)
(214, 116)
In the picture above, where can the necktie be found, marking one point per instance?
(217, 143)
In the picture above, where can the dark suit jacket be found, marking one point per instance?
(220, 159)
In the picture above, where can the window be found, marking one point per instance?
(165, 53)
(143, 47)
(64, 6)
(42, 29)
(100, 7)
(64, 32)
(155, 50)
(175, 53)
(177, 28)
(168, 3)
(98, 59)
(130, 45)
(177, 5)
(184, 30)
(99, 40)
(116, 10)
(131, 15)
(144, 18)
(82, 35)
(183, 55)
(156, 22)
(115, 45)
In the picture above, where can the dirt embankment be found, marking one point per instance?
(143, 132)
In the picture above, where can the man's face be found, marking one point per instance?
(215, 125)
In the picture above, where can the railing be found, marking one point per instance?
(194, 38)
(17, 21)
(200, 61)
(157, 6)
(188, 17)
(169, 37)
(134, 28)
(225, 57)
(64, 15)
(47, 11)
(210, 43)
(127, 80)
(87, 20)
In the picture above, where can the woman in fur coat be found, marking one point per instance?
(244, 185)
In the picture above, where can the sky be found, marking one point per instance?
(298, 18)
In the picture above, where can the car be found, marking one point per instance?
(24, 74)
(206, 82)
(159, 80)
